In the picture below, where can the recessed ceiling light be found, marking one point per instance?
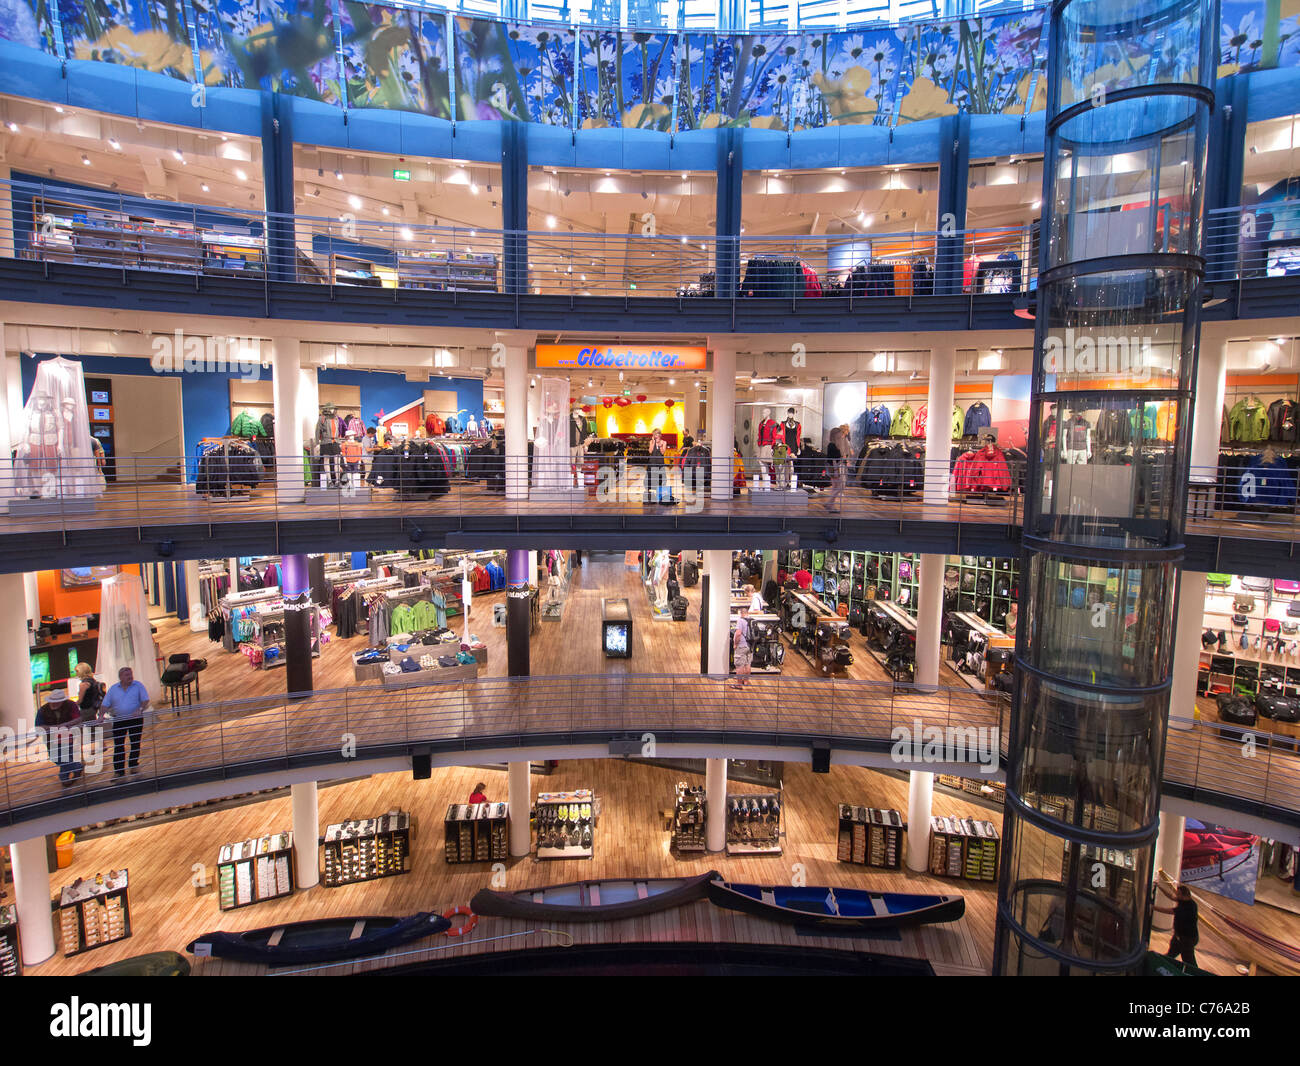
(354, 202)
(405, 231)
(204, 186)
(473, 233)
(13, 127)
(176, 154)
(473, 187)
(550, 222)
(383, 211)
(85, 160)
(239, 173)
(338, 175)
(113, 144)
(672, 381)
(58, 109)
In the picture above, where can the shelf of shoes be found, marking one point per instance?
(11, 956)
(870, 836)
(94, 912)
(754, 824)
(254, 871)
(964, 848)
(366, 849)
(476, 832)
(690, 811)
(566, 823)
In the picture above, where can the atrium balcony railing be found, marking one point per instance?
(119, 233)
(240, 482)
(1246, 243)
(224, 741)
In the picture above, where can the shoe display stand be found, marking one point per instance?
(964, 848)
(689, 813)
(870, 836)
(94, 912)
(476, 832)
(566, 824)
(367, 849)
(254, 871)
(11, 956)
(993, 791)
(754, 824)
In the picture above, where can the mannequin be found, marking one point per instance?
(41, 444)
(790, 432)
(327, 446)
(551, 444)
(767, 430)
(471, 426)
(579, 437)
(1075, 439)
(659, 578)
(54, 453)
(466, 595)
(352, 452)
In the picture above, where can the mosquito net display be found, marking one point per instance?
(551, 472)
(125, 638)
(54, 456)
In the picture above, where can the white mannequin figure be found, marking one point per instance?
(466, 595)
(767, 428)
(660, 579)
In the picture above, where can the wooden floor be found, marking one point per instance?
(167, 912)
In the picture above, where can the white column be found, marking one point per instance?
(287, 353)
(920, 791)
(532, 567)
(1169, 857)
(32, 594)
(520, 797)
(517, 427)
(1211, 387)
(306, 831)
(715, 803)
(722, 419)
(308, 401)
(15, 664)
(691, 409)
(232, 568)
(717, 564)
(1189, 625)
(32, 894)
(929, 613)
(938, 426)
(197, 621)
(14, 392)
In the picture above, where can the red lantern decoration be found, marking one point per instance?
(622, 401)
(669, 403)
(608, 401)
(587, 408)
(640, 399)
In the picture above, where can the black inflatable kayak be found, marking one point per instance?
(321, 940)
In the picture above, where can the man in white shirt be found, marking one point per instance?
(125, 704)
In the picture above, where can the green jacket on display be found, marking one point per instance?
(1248, 421)
(902, 424)
(245, 425)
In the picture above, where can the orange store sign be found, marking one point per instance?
(620, 357)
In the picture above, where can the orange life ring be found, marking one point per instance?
(464, 927)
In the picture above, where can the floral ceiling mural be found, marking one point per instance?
(376, 56)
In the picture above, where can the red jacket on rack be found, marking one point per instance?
(985, 470)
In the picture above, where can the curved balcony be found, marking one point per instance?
(209, 750)
(174, 508)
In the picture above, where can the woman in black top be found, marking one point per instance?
(837, 462)
(1186, 929)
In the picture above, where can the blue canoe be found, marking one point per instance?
(836, 908)
(322, 940)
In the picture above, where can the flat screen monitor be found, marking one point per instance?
(616, 640)
(101, 414)
(80, 577)
(99, 396)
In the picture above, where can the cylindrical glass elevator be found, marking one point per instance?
(1129, 97)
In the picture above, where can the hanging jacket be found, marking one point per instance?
(354, 425)
(1283, 425)
(1114, 429)
(958, 420)
(1248, 421)
(921, 420)
(902, 424)
(245, 425)
(767, 432)
(977, 418)
(435, 426)
(811, 285)
(878, 421)
(1267, 484)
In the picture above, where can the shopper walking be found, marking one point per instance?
(1186, 922)
(742, 655)
(60, 717)
(90, 693)
(125, 704)
(837, 460)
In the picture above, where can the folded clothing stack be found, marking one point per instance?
(391, 668)
(427, 662)
(409, 666)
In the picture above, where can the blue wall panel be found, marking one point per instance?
(388, 392)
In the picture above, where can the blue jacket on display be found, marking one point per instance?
(1267, 484)
(876, 421)
(977, 418)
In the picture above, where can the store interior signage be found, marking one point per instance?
(620, 357)
(402, 175)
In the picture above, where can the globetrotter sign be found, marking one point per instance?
(620, 357)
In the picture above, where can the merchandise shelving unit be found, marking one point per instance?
(993, 791)
(754, 823)
(94, 912)
(367, 849)
(766, 649)
(690, 810)
(1247, 670)
(870, 836)
(964, 848)
(254, 871)
(11, 955)
(561, 835)
(886, 620)
(476, 832)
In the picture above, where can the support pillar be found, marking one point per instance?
(1187, 648)
(519, 796)
(715, 799)
(938, 426)
(717, 564)
(285, 382)
(920, 794)
(722, 420)
(32, 894)
(929, 615)
(296, 588)
(32, 595)
(192, 582)
(1211, 388)
(232, 570)
(1169, 858)
(518, 612)
(691, 410)
(516, 418)
(306, 833)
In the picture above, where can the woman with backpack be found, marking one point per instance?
(90, 693)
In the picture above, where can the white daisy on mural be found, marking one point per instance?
(605, 52)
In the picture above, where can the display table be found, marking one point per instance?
(254, 871)
(94, 912)
(476, 832)
(566, 824)
(461, 672)
(367, 849)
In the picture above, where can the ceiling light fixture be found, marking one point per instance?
(176, 154)
(354, 202)
(550, 222)
(338, 175)
(239, 173)
(113, 144)
(85, 160)
(405, 231)
(58, 110)
(204, 186)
